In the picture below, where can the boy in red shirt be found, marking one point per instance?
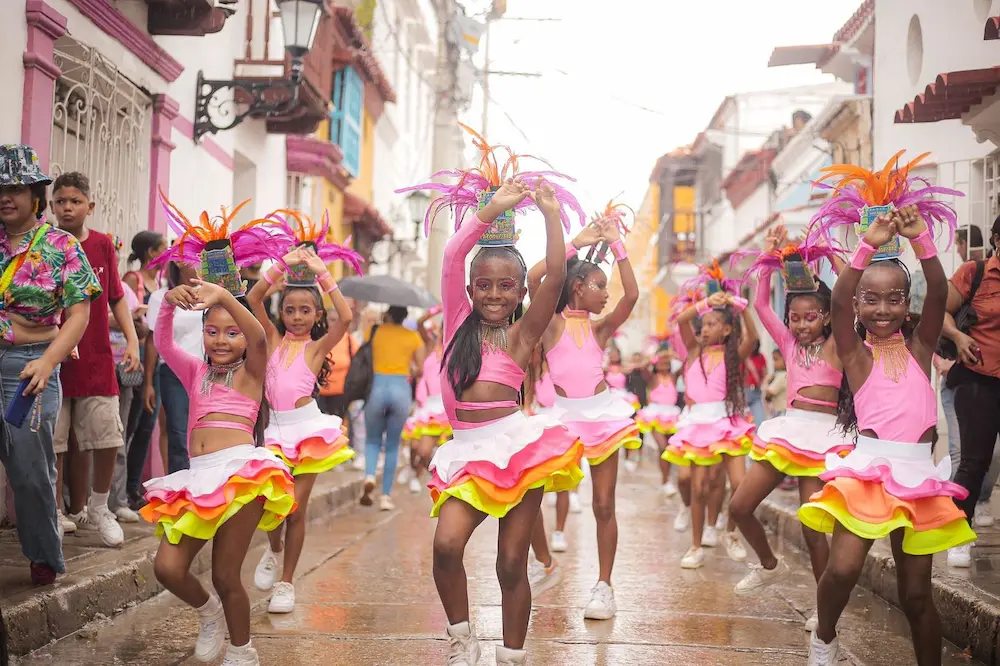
(90, 383)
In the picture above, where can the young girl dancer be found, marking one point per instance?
(429, 426)
(888, 486)
(499, 461)
(234, 485)
(307, 440)
(574, 345)
(713, 428)
(797, 443)
(660, 416)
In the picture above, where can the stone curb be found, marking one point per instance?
(966, 620)
(66, 608)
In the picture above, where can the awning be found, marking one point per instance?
(992, 29)
(357, 210)
(951, 96)
(799, 55)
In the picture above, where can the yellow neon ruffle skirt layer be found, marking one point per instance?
(931, 524)
(686, 455)
(196, 502)
(628, 438)
(788, 462)
(337, 454)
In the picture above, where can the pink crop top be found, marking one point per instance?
(820, 373)
(665, 393)
(896, 411)
(615, 378)
(497, 366)
(191, 371)
(576, 361)
(698, 387)
(289, 378)
(545, 391)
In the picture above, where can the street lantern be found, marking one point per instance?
(262, 99)
(417, 203)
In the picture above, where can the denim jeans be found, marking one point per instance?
(27, 455)
(138, 435)
(955, 446)
(386, 411)
(174, 398)
(756, 405)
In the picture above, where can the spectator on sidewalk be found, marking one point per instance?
(57, 284)
(754, 369)
(776, 387)
(90, 419)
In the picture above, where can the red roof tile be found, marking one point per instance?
(362, 50)
(950, 96)
(992, 29)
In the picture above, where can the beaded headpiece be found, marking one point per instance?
(475, 187)
(216, 253)
(297, 231)
(797, 261)
(613, 213)
(860, 196)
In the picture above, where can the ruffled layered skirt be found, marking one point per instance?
(659, 418)
(492, 466)
(195, 502)
(603, 422)
(798, 443)
(307, 440)
(883, 486)
(705, 433)
(626, 395)
(428, 420)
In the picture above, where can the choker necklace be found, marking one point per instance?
(219, 374)
(290, 347)
(806, 356)
(891, 353)
(493, 334)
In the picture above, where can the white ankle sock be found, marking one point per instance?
(211, 606)
(98, 499)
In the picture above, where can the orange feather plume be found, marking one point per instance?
(878, 188)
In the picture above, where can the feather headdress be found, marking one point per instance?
(712, 279)
(688, 296)
(612, 214)
(798, 262)
(860, 195)
(306, 232)
(470, 189)
(218, 254)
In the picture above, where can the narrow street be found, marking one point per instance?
(366, 597)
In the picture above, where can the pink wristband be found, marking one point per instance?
(274, 273)
(739, 303)
(923, 245)
(328, 284)
(571, 250)
(618, 249)
(702, 307)
(862, 256)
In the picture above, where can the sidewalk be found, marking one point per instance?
(968, 600)
(103, 581)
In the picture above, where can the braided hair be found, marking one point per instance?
(463, 358)
(319, 329)
(736, 402)
(577, 271)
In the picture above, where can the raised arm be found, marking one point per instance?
(422, 324)
(184, 365)
(913, 227)
(774, 326)
(543, 304)
(210, 295)
(623, 309)
(586, 238)
(272, 282)
(328, 285)
(454, 299)
(750, 337)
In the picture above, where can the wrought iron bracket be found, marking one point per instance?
(259, 99)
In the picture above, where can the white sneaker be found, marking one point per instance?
(244, 655)
(385, 503)
(682, 523)
(542, 578)
(812, 622)
(126, 515)
(574, 503)
(282, 598)
(404, 474)
(631, 466)
(366, 494)
(415, 486)
(101, 519)
(720, 521)
(693, 559)
(669, 489)
(759, 578)
(709, 537)
(267, 570)
(983, 516)
(960, 557)
(67, 525)
(211, 630)
(463, 647)
(550, 498)
(510, 657)
(559, 543)
(823, 654)
(734, 547)
(602, 604)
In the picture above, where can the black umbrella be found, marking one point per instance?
(387, 290)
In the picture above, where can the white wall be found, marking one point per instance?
(952, 41)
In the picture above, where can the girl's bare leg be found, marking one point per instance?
(539, 542)
(847, 557)
(701, 483)
(295, 526)
(661, 445)
(736, 469)
(917, 600)
(562, 510)
(819, 547)
(456, 523)
(605, 480)
(716, 494)
(172, 568)
(229, 549)
(512, 567)
(758, 484)
(684, 484)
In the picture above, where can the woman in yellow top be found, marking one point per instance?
(396, 350)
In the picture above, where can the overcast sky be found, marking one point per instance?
(624, 82)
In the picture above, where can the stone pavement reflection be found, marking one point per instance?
(366, 597)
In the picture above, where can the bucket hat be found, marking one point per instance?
(19, 165)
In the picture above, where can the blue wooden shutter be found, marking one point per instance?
(353, 99)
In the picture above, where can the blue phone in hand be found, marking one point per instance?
(20, 406)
